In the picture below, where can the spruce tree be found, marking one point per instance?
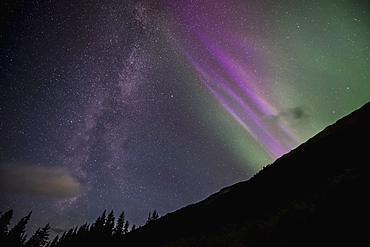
(118, 230)
(155, 215)
(17, 235)
(40, 238)
(109, 225)
(149, 218)
(125, 228)
(4, 223)
(96, 234)
(152, 217)
(83, 230)
(133, 227)
(54, 243)
(98, 225)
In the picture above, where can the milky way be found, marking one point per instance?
(143, 105)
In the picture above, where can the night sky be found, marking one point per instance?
(142, 105)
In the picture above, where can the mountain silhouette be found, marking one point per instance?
(316, 195)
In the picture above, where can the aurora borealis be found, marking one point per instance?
(231, 70)
(235, 52)
(143, 105)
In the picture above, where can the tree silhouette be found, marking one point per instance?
(40, 238)
(155, 215)
(152, 217)
(68, 238)
(83, 230)
(103, 231)
(133, 227)
(118, 230)
(98, 226)
(54, 243)
(125, 228)
(17, 235)
(109, 225)
(4, 223)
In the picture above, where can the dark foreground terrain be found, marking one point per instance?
(316, 195)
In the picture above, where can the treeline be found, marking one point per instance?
(106, 229)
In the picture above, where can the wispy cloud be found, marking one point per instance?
(44, 181)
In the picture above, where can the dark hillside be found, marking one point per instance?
(315, 195)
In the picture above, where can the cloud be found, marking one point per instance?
(294, 116)
(295, 113)
(291, 116)
(44, 181)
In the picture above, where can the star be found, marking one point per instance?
(143, 105)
